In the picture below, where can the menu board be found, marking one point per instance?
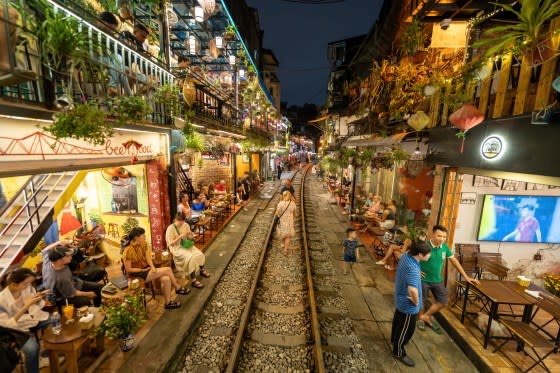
(155, 205)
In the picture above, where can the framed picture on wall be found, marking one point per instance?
(245, 157)
(486, 181)
(511, 185)
(468, 198)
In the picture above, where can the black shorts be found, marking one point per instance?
(438, 289)
(143, 275)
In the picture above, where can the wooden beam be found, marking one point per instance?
(548, 72)
(485, 86)
(501, 90)
(445, 109)
(522, 87)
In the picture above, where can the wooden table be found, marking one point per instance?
(69, 341)
(497, 293)
(551, 305)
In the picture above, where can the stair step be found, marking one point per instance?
(19, 240)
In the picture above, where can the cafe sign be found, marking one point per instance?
(492, 147)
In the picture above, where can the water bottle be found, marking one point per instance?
(55, 323)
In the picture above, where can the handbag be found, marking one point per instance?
(277, 218)
(185, 244)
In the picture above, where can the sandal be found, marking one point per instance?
(436, 328)
(183, 291)
(421, 325)
(204, 273)
(197, 284)
(172, 304)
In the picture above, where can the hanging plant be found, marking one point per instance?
(413, 39)
(397, 156)
(365, 157)
(195, 142)
(83, 122)
(229, 33)
(131, 108)
(168, 95)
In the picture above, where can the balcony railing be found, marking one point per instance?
(113, 69)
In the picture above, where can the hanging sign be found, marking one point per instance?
(492, 147)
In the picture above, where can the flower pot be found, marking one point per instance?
(126, 343)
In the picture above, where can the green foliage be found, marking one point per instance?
(396, 156)
(129, 224)
(109, 5)
(122, 317)
(365, 156)
(188, 129)
(523, 35)
(83, 122)
(168, 95)
(131, 108)
(329, 164)
(95, 217)
(195, 142)
(412, 39)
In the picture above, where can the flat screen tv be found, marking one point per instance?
(509, 218)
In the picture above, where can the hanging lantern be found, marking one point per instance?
(465, 118)
(219, 42)
(189, 92)
(429, 90)
(208, 6)
(198, 14)
(232, 60)
(241, 73)
(226, 79)
(192, 44)
(415, 163)
(213, 49)
(419, 120)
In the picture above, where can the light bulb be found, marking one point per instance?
(232, 60)
(198, 14)
(241, 73)
(219, 42)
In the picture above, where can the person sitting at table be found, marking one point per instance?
(220, 188)
(183, 206)
(199, 204)
(387, 219)
(137, 258)
(186, 256)
(68, 287)
(21, 310)
(211, 190)
(369, 201)
(394, 252)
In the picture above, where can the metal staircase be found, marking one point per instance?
(27, 217)
(184, 183)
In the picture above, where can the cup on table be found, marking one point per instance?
(68, 311)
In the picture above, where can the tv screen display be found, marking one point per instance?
(518, 218)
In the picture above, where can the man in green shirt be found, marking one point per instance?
(432, 276)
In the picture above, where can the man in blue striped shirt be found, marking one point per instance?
(408, 299)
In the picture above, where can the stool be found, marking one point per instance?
(113, 230)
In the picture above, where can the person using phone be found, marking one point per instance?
(21, 310)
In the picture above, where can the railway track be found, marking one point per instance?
(263, 314)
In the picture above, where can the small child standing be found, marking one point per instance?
(350, 249)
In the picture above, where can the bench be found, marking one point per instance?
(528, 337)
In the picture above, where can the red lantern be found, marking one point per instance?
(465, 118)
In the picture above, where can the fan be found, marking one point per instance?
(117, 176)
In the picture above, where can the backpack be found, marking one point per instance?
(10, 341)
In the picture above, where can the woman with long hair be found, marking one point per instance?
(21, 310)
(137, 258)
(285, 211)
(184, 207)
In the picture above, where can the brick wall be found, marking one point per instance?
(210, 172)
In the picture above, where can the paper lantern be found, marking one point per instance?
(189, 92)
(214, 52)
(209, 7)
(418, 120)
(429, 90)
(465, 118)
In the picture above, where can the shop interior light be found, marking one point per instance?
(241, 73)
(192, 44)
(232, 60)
(219, 42)
(198, 13)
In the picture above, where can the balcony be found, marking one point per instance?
(40, 72)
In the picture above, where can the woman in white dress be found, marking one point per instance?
(285, 211)
(186, 256)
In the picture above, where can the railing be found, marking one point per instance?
(183, 181)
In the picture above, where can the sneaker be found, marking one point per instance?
(43, 362)
(380, 262)
(405, 360)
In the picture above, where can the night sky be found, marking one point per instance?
(298, 34)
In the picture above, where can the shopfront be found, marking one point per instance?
(118, 185)
(503, 191)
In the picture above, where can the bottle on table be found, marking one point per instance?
(56, 323)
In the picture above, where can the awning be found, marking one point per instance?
(324, 117)
(375, 140)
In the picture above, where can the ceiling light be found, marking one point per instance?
(198, 14)
(232, 60)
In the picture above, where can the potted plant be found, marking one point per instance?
(229, 34)
(129, 224)
(168, 95)
(527, 36)
(412, 42)
(132, 108)
(195, 142)
(122, 318)
(95, 218)
(82, 122)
